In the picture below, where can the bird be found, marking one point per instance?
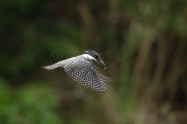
(82, 69)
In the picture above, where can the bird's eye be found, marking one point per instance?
(96, 57)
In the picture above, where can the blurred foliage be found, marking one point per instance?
(144, 44)
(29, 105)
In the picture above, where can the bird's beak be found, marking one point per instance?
(103, 64)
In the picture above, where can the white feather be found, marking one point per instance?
(89, 57)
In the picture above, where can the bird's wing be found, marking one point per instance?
(54, 66)
(60, 63)
(85, 73)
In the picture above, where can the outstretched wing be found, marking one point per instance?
(85, 73)
(54, 66)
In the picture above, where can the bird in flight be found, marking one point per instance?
(82, 69)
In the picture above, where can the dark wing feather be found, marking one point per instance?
(85, 73)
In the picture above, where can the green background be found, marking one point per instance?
(142, 42)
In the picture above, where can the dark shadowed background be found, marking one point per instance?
(143, 43)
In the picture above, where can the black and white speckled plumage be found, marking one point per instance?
(82, 70)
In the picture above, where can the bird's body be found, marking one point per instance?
(82, 70)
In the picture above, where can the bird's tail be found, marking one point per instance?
(53, 66)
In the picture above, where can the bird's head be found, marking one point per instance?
(96, 56)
